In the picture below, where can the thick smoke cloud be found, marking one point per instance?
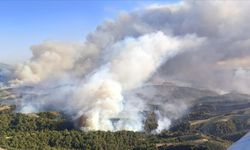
(49, 60)
(224, 24)
(127, 64)
(203, 43)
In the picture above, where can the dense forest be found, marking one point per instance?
(51, 130)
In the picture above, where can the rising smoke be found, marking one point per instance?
(198, 42)
(98, 96)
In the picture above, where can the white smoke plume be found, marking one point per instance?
(193, 42)
(126, 65)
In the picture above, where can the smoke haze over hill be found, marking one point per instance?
(201, 43)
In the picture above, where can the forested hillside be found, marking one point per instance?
(212, 123)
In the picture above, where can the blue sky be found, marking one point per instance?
(24, 23)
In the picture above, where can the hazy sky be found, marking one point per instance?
(24, 23)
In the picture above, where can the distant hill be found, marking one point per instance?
(171, 92)
(6, 73)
